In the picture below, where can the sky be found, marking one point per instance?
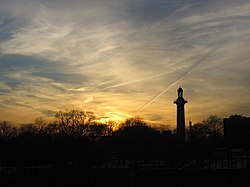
(124, 58)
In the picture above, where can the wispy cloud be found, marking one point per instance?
(119, 57)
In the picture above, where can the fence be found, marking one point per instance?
(128, 172)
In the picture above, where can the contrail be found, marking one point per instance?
(156, 97)
(173, 83)
(138, 80)
(130, 82)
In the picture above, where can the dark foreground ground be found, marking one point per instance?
(129, 172)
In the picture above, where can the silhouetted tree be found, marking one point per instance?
(74, 117)
(136, 138)
(112, 126)
(28, 129)
(7, 130)
(52, 129)
(163, 128)
(74, 122)
(209, 130)
(134, 121)
(97, 130)
(215, 124)
(41, 125)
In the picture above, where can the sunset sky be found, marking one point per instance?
(121, 58)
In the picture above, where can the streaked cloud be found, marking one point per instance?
(124, 58)
(88, 100)
(78, 89)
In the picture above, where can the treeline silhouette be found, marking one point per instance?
(75, 134)
(77, 150)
